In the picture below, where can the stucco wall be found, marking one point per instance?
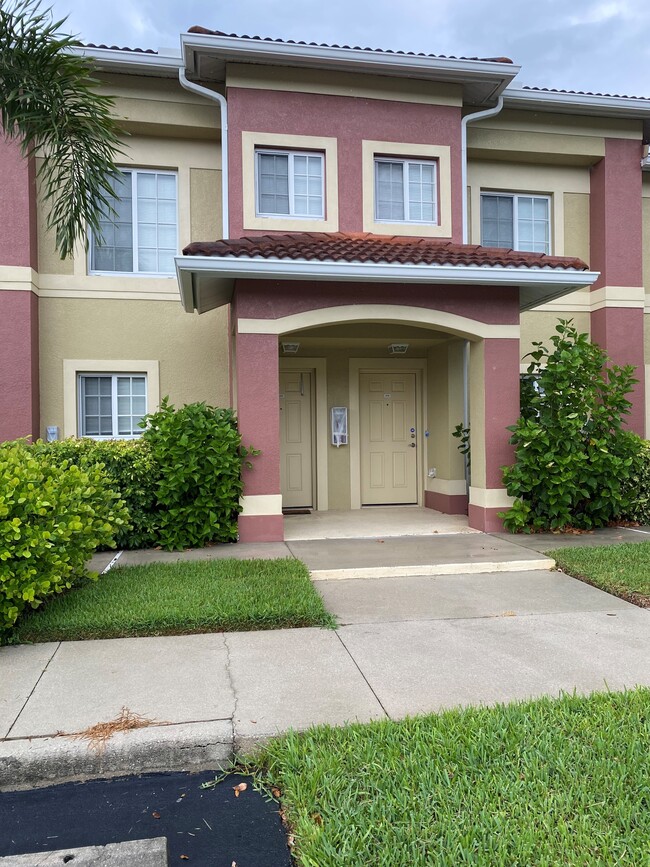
(540, 325)
(192, 350)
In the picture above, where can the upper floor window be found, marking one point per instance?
(290, 184)
(516, 221)
(141, 237)
(111, 405)
(405, 191)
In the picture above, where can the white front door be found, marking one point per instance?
(388, 438)
(296, 439)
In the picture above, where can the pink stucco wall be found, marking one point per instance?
(616, 250)
(501, 386)
(19, 372)
(350, 120)
(19, 397)
(449, 504)
(268, 299)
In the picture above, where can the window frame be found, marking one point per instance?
(291, 153)
(114, 376)
(134, 171)
(515, 216)
(406, 162)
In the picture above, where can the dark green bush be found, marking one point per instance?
(132, 472)
(52, 517)
(638, 488)
(197, 450)
(573, 459)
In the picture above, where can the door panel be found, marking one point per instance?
(296, 470)
(388, 446)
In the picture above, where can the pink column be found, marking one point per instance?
(19, 395)
(258, 412)
(501, 409)
(616, 251)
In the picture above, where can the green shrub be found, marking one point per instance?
(52, 518)
(197, 450)
(573, 458)
(638, 488)
(132, 472)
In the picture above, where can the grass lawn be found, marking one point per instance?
(623, 570)
(181, 598)
(547, 782)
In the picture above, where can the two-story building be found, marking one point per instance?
(370, 242)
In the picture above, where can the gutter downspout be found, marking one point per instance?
(469, 118)
(223, 106)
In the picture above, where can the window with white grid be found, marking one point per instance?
(516, 221)
(111, 405)
(140, 236)
(405, 191)
(290, 183)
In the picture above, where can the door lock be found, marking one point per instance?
(412, 445)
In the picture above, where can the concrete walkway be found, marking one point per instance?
(405, 646)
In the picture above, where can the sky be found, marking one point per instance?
(592, 45)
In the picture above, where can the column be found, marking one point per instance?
(494, 405)
(618, 297)
(258, 412)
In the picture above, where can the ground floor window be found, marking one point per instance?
(111, 405)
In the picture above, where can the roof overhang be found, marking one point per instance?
(134, 62)
(576, 103)
(206, 56)
(207, 282)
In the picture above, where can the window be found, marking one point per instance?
(290, 184)
(405, 191)
(142, 236)
(111, 405)
(517, 222)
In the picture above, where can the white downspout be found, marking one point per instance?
(223, 105)
(469, 118)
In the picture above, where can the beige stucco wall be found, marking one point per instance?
(445, 409)
(540, 325)
(192, 350)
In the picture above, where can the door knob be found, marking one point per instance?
(412, 445)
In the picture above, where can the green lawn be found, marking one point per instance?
(623, 570)
(179, 598)
(548, 782)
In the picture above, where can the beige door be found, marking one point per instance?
(388, 438)
(296, 470)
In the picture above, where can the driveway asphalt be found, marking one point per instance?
(405, 646)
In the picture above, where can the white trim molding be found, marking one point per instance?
(449, 487)
(490, 498)
(258, 505)
(18, 278)
(419, 316)
(617, 296)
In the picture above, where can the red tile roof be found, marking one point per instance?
(206, 32)
(553, 90)
(384, 249)
(118, 48)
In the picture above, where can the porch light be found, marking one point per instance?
(398, 348)
(290, 348)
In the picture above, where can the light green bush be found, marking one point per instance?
(52, 518)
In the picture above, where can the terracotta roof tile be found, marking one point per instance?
(582, 93)
(384, 249)
(118, 48)
(206, 32)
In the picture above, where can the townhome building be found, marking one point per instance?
(355, 248)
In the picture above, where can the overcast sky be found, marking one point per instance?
(596, 45)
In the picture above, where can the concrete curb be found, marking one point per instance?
(431, 570)
(32, 762)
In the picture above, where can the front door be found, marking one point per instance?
(388, 438)
(296, 470)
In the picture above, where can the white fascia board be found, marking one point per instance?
(133, 61)
(574, 103)
(236, 49)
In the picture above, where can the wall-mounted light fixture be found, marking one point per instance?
(290, 348)
(398, 348)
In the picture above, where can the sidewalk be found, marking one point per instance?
(405, 646)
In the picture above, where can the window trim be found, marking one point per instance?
(72, 367)
(134, 172)
(416, 152)
(291, 154)
(406, 162)
(114, 376)
(252, 141)
(515, 196)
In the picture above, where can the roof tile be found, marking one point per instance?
(383, 249)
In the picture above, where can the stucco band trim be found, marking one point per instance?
(449, 487)
(73, 366)
(439, 319)
(490, 498)
(261, 504)
(617, 296)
